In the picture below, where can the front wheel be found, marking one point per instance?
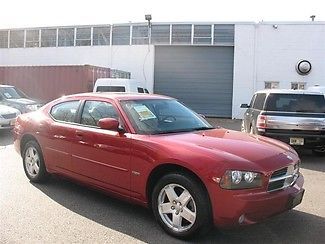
(181, 206)
(243, 127)
(33, 162)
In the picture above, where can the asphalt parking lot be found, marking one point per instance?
(63, 212)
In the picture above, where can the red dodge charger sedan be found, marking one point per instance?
(154, 151)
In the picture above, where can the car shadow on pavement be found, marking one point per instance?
(311, 161)
(6, 138)
(291, 227)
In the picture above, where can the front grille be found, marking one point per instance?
(9, 116)
(279, 172)
(283, 178)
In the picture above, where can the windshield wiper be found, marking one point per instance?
(204, 128)
(183, 130)
(173, 131)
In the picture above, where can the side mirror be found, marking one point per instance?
(202, 115)
(109, 124)
(244, 105)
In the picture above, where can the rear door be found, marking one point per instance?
(57, 152)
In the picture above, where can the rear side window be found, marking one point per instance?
(65, 111)
(110, 89)
(296, 103)
(252, 101)
(95, 110)
(146, 91)
(140, 90)
(259, 101)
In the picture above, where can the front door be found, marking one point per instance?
(101, 156)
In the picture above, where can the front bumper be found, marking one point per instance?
(7, 123)
(235, 209)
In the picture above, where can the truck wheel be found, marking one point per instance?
(181, 206)
(242, 128)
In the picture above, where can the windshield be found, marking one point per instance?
(296, 103)
(160, 116)
(11, 93)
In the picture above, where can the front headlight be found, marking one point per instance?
(236, 179)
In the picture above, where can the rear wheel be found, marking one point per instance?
(181, 206)
(33, 162)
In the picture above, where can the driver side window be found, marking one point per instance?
(93, 111)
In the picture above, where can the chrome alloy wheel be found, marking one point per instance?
(32, 161)
(177, 207)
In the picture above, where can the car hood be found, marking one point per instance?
(234, 146)
(22, 101)
(7, 110)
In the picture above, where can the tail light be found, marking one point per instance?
(261, 122)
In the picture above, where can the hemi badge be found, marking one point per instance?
(135, 172)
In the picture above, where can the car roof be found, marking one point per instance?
(118, 95)
(288, 91)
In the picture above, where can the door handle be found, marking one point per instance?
(79, 134)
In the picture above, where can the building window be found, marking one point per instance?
(16, 38)
(48, 37)
(272, 85)
(83, 36)
(298, 85)
(121, 35)
(202, 34)
(66, 37)
(160, 34)
(101, 35)
(181, 34)
(224, 34)
(140, 35)
(3, 39)
(32, 38)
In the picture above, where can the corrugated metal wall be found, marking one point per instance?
(201, 77)
(49, 82)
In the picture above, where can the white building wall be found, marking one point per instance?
(270, 51)
(244, 67)
(139, 59)
(262, 52)
(279, 49)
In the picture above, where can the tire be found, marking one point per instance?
(252, 130)
(181, 206)
(33, 162)
(319, 152)
(242, 127)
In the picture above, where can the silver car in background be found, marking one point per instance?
(8, 117)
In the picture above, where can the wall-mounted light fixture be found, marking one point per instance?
(303, 67)
(148, 18)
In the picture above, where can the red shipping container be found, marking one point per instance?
(49, 82)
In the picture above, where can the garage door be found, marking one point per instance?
(200, 77)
